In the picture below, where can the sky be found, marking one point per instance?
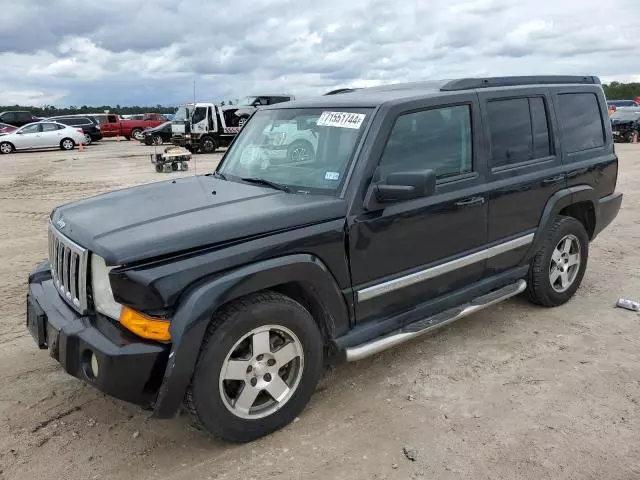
(110, 52)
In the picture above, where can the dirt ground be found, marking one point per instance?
(512, 392)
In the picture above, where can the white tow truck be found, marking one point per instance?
(204, 127)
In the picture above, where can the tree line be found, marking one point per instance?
(613, 91)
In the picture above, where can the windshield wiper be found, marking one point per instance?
(268, 183)
(219, 175)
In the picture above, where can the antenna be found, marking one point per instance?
(193, 155)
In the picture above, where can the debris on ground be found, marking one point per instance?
(410, 453)
(410, 398)
(628, 304)
(394, 466)
(136, 434)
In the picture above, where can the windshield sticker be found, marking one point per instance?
(341, 120)
(332, 176)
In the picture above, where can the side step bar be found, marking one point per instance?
(429, 324)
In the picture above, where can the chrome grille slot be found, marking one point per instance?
(68, 262)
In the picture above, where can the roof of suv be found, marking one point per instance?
(375, 96)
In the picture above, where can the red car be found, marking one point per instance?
(113, 125)
(6, 128)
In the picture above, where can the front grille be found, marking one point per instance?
(68, 269)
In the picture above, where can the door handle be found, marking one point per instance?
(469, 202)
(550, 180)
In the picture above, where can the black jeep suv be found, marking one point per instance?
(422, 204)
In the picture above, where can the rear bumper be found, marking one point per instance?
(128, 368)
(608, 208)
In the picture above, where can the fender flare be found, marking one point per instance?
(558, 201)
(200, 302)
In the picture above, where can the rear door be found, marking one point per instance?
(51, 135)
(525, 167)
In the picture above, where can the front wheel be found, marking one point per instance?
(137, 134)
(258, 367)
(557, 269)
(157, 140)
(208, 145)
(6, 147)
(67, 144)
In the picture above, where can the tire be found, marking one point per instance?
(208, 145)
(87, 139)
(157, 140)
(6, 147)
(554, 276)
(137, 134)
(300, 151)
(158, 168)
(148, 140)
(213, 400)
(67, 144)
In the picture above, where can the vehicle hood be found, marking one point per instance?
(178, 215)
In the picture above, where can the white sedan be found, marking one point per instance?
(42, 135)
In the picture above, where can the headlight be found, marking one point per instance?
(102, 294)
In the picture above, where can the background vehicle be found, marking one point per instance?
(6, 128)
(624, 124)
(622, 103)
(88, 125)
(203, 127)
(42, 135)
(286, 143)
(157, 135)
(114, 125)
(17, 118)
(244, 108)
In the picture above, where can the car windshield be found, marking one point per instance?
(247, 100)
(182, 114)
(300, 150)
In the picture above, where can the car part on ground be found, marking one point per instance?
(173, 159)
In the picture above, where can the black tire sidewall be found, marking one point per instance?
(213, 148)
(564, 226)
(206, 398)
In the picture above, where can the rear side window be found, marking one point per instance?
(438, 139)
(50, 127)
(519, 130)
(580, 121)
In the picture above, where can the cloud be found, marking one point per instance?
(119, 52)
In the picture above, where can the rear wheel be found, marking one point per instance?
(300, 151)
(67, 144)
(6, 147)
(257, 369)
(87, 139)
(157, 140)
(557, 269)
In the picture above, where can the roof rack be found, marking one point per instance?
(488, 82)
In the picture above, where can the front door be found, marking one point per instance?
(414, 251)
(28, 137)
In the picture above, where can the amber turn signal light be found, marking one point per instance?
(145, 326)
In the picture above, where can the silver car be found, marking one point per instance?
(41, 135)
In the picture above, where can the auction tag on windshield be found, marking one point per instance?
(341, 120)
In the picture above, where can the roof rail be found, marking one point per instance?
(488, 82)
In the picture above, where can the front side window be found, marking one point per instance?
(199, 114)
(438, 139)
(519, 130)
(580, 121)
(34, 128)
(307, 150)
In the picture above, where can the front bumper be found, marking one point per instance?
(128, 368)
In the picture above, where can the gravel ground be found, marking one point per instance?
(515, 391)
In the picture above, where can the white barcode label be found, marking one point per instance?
(341, 120)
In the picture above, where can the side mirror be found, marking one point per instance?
(400, 187)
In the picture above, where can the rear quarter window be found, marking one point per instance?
(580, 121)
